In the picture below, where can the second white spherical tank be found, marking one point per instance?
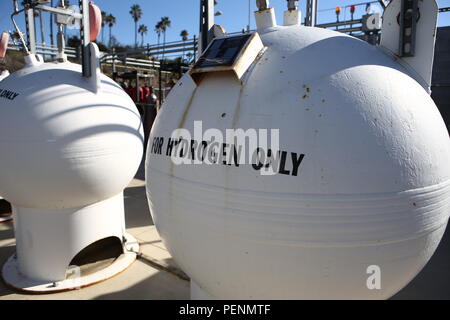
(371, 193)
(62, 144)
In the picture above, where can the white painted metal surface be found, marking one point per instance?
(421, 65)
(265, 18)
(372, 191)
(70, 146)
(4, 74)
(292, 17)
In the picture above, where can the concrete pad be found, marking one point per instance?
(140, 281)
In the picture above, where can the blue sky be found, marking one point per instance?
(184, 15)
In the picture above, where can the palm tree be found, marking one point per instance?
(111, 20)
(165, 23)
(136, 14)
(158, 30)
(184, 36)
(104, 15)
(143, 31)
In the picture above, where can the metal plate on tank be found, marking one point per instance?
(222, 52)
(234, 54)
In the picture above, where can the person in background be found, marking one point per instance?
(131, 92)
(141, 94)
(145, 93)
(150, 115)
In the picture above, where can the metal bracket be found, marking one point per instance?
(383, 3)
(409, 15)
(65, 16)
(419, 61)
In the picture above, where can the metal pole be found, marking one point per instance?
(409, 14)
(85, 38)
(161, 65)
(315, 10)
(42, 26)
(31, 31)
(206, 23)
(249, 15)
(195, 48)
(138, 96)
(311, 13)
(114, 60)
(52, 40)
(351, 25)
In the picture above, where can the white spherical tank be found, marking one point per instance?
(70, 146)
(67, 146)
(360, 198)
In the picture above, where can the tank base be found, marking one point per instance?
(14, 279)
(198, 293)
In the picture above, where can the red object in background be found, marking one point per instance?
(352, 8)
(146, 92)
(4, 39)
(132, 93)
(95, 20)
(141, 94)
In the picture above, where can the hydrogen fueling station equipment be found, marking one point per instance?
(353, 200)
(74, 142)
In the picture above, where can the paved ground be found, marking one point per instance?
(156, 276)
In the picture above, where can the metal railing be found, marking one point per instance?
(133, 56)
(47, 50)
(128, 57)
